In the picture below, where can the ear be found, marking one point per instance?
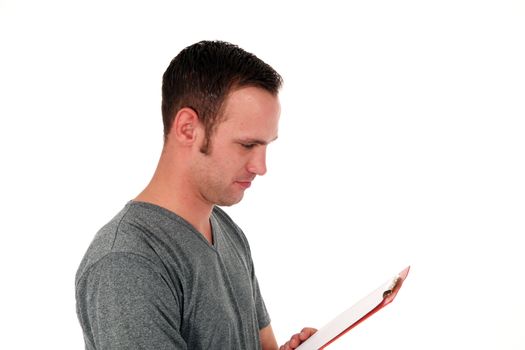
(185, 127)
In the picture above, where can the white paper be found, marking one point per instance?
(346, 319)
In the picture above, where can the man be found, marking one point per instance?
(172, 270)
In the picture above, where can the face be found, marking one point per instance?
(237, 152)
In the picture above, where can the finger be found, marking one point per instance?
(295, 341)
(306, 333)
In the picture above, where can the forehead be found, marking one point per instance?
(251, 110)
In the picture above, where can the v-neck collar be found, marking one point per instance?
(216, 229)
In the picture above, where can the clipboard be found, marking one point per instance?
(356, 314)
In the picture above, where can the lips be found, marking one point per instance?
(244, 184)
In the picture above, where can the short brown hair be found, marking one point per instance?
(202, 75)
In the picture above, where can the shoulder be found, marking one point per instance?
(118, 270)
(120, 241)
(120, 265)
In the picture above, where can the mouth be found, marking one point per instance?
(244, 184)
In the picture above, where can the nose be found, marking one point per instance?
(257, 163)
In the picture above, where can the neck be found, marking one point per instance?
(169, 189)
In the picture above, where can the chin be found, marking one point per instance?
(228, 202)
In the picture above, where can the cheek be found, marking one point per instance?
(233, 159)
(221, 169)
(228, 161)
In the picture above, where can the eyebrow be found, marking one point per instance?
(256, 141)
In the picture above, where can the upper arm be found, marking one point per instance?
(123, 303)
(268, 341)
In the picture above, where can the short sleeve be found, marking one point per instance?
(263, 317)
(123, 302)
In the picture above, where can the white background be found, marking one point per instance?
(401, 142)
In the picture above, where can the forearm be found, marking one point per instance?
(268, 341)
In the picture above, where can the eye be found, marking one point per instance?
(248, 145)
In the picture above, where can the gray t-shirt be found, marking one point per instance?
(149, 280)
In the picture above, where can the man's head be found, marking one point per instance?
(202, 76)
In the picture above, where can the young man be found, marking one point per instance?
(172, 270)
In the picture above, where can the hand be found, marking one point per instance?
(298, 338)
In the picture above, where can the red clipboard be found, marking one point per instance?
(356, 314)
